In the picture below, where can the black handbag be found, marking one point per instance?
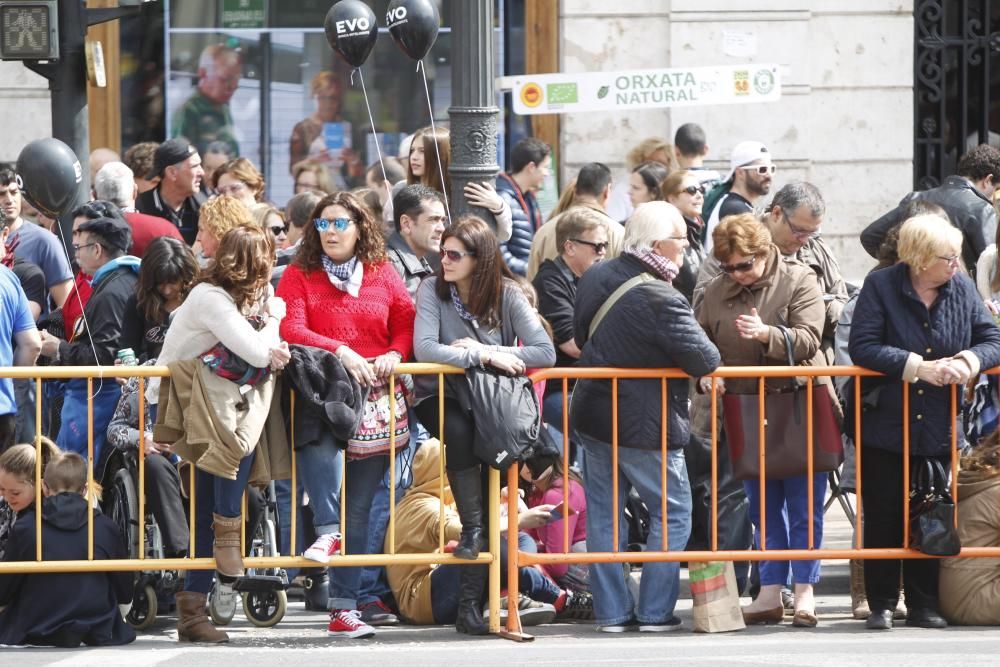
(932, 512)
(507, 416)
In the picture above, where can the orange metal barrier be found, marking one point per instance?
(517, 559)
(109, 374)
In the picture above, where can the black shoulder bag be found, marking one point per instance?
(932, 512)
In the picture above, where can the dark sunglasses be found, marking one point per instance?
(598, 247)
(340, 224)
(742, 267)
(455, 255)
(694, 189)
(278, 230)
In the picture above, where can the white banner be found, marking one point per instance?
(644, 89)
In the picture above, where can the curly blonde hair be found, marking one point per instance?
(220, 214)
(242, 264)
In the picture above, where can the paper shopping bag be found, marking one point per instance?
(716, 600)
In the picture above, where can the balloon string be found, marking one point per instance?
(437, 150)
(371, 120)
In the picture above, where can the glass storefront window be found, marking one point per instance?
(260, 76)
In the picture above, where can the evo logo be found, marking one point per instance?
(395, 15)
(352, 25)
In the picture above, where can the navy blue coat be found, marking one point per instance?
(652, 326)
(517, 250)
(890, 321)
(64, 609)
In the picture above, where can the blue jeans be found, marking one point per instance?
(374, 585)
(320, 469)
(364, 477)
(660, 583)
(73, 429)
(786, 508)
(224, 497)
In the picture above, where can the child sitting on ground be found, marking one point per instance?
(17, 483)
(65, 609)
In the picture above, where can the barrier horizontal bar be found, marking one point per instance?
(721, 372)
(72, 372)
(525, 558)
(135, 565)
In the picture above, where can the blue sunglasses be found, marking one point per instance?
(340, 224)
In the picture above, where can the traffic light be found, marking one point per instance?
(29, 30)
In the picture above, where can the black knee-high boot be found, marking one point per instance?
(467, 487)
(472, 585)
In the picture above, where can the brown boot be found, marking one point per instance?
(859, 601)
(192, 621)
(226, 548)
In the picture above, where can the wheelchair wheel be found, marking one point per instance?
(122, 506)
(220, 610)
(143, 612)
(265, 609)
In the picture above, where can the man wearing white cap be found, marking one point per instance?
(750, 172)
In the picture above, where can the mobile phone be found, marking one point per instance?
(560, 511)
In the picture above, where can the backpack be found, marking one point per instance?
(712, 199)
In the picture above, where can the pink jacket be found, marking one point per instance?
(550, 537)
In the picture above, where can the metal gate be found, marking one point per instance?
(956, 83)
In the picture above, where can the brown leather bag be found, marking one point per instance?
(784, 431)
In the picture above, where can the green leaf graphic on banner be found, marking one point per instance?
(603, 92)
(561, 93)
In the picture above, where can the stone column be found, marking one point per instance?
(473, 110)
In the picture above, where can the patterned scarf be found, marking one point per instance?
(7, 253)
(345, 276)
(460, 307)
(658, 264)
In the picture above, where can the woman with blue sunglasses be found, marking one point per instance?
(344, 296)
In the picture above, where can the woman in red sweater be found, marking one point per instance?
(342, 295)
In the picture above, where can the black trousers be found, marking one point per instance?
(8, 427)
(882, 502)
(163, 495)
(459, 431)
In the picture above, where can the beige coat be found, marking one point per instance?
(417, 526)
(969, 588)
(212, 423)
(786, 294)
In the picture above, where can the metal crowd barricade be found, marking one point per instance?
(517, 558)
(109, 374)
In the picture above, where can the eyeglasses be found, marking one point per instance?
(340, 224)
(455, 255)
(278, 230)
(599, 248)
(798, 231)
(762, 169)
(953, 260)
(742, 267)
(77, 247)
(232, 189)
(694, 190)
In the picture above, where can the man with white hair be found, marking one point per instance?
(628, 315)
(115, 183)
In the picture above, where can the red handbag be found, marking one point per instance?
(785, 422)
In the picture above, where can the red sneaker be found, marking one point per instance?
(323, 548)
(344, 623)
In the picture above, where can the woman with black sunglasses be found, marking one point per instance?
(685, 191)
(471, 313)
(343, 296)
(742, 309)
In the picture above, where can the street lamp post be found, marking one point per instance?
(473, 111)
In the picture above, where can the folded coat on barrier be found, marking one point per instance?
(214, 423)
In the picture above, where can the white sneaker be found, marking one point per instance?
(323, 548)
(348, 623)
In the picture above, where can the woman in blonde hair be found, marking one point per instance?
(921, 322)
(216, 217)
(17, 482)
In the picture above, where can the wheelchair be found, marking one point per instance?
(120, 502)
(263, 590)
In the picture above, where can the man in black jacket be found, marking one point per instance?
(100, 251)
(530, 163)
(966, 197)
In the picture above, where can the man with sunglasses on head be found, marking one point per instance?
(750, 174)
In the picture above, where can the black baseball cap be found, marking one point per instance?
(112, 231)
(169, 153)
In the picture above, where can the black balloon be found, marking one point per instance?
(413, 25)
(49, 175)
(351, 29)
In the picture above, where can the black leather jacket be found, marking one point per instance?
(105, 318)
(968, 208)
